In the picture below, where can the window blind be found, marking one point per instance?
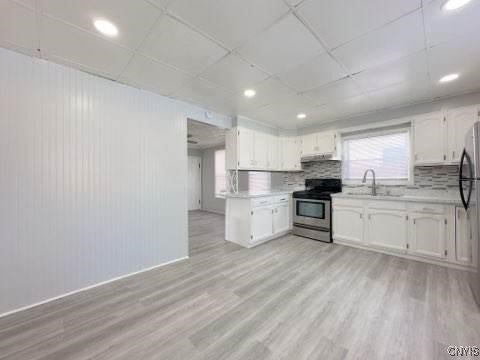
(259, 181)
(220, 172)
(386, 153)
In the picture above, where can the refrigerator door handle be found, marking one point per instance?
(461, 180)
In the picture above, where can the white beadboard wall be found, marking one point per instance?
(92, 180)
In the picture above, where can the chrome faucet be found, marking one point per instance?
(374, 188)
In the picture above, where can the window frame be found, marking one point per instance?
(381, 132)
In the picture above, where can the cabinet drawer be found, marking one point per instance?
(386, 205)
(261, 201)
(347, 202)
(281, 199)
(427, 208)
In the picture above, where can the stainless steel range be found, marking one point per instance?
(312, 209)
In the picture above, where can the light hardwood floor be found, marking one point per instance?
(291, 298)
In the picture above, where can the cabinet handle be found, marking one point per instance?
(361, 216)
(444, 157)
(453, 155)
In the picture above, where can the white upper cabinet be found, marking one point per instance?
(321, 143)
(248, 149)
(428, 132)
(290, 153)
(272, 152)
(459, 121)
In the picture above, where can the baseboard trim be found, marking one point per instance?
(11, 312)
(405, 256)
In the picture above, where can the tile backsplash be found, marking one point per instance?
(442, 177)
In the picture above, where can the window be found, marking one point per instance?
(220, 173)
(386, 152)
(259, 181)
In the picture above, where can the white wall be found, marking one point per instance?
(92, 180)
(209, 201)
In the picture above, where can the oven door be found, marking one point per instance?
(312, 212)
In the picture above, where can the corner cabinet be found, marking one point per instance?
(253, 221)
(433, 233)
(247, 149)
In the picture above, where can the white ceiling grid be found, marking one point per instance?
(328, 59)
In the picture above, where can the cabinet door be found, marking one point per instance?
(309, 145)
(387, 229)
(290, 153)
(348, 224)
(273, 152)
(262, 225)
(281, 218)
(326, 142)
(427, 235)
(260, 150)
(429, 139)
(459, 121)
(246, 141)
(463, 237)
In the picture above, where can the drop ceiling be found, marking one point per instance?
(328, 59)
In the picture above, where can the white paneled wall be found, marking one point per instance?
(92, 180)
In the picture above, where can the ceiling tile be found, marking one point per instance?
(316, 72)
(231, 22)
(409, 68)
(132, 17)
(387, 44)
(315, 116)
(283, 114)
(176, 44)
(404, 93)
(17, 26)
(340, 21)
(234, 73)
(201, 91)
(455, 57)
(268, 92)
(282, 46)
(69, 43)
(154, 76)
(354, 105)
(336, 91)
(441, 26)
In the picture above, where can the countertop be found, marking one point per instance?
(255, 194)
(432, 196)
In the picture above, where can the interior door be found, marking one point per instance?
(194, 183)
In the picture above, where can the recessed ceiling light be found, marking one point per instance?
(249, 93)
(301, 116)
(454, 4)
(448, 78)
(106, 27)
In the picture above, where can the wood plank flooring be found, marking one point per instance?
(291, 298)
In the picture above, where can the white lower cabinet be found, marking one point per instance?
(261, 223)
(281, 218)
(463, 237)
(252, 221)
(428, 232)
(428, 235)
(348, 223)
(386, 229)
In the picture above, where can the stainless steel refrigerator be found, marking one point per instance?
(469, 187)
